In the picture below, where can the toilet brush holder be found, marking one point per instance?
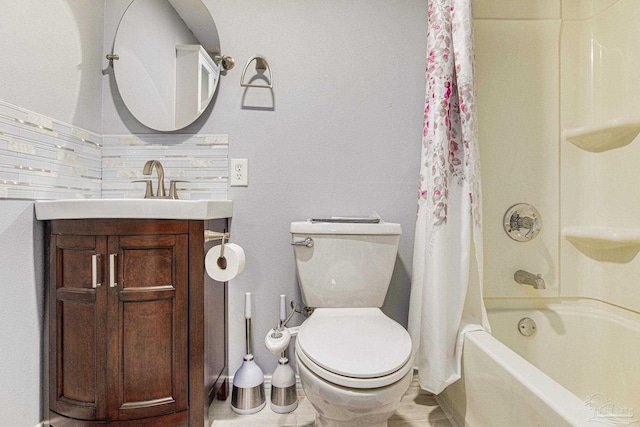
(284, 397)
(247, 395)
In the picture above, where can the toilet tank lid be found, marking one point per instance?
(308, 227)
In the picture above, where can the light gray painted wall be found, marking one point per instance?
(51, 54)
(50, 65)
(21, 313)
(344, 138)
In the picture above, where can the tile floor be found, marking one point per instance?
(417, 409)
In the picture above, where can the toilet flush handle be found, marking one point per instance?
(308, 242)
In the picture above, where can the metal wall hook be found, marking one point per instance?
(226, 61)
(261, 65)
(111, 57)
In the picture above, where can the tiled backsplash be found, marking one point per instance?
(42, 158)
(200, 160)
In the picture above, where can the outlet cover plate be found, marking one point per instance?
(239, 173)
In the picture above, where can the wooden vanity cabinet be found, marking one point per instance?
(136, 330)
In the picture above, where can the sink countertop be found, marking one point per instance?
(133, 208)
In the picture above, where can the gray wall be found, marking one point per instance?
(21, 314)
(344, 137)
(51, 64)
(51, 58)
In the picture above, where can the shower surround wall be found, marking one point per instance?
(601, 203)
(549, 73)
(517, 59)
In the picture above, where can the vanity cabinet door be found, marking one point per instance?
(137, 333)
(147, 325)
(77, 330)
(119, 326)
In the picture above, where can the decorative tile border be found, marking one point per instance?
(42, 158)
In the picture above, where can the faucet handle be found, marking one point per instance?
(521, 217)
(173, 191)
(533, 229)
(148, 193)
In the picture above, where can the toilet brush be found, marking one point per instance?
(247, 395)
(284, 398)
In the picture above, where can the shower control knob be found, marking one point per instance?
(522, 222)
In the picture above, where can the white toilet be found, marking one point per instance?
(354, 362)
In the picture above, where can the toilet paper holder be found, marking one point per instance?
(210, 235)
(215, 235)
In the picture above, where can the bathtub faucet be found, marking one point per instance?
(526, 278)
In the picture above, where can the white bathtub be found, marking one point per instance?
(580, 368)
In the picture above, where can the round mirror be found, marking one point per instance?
(165, 71)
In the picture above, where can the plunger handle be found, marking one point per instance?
(247, 317)
(247, 305)
(283, 309)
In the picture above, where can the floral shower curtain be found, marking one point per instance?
(444, 306)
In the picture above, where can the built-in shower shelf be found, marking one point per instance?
(596, 139)
(605, 243)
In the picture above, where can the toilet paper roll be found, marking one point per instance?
(234, 256)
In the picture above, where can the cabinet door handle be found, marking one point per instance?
(112, 270)
(95, 265)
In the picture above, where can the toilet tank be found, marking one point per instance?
(348, 265)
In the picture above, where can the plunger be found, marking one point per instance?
(247, 395)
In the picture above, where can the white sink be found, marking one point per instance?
(133, 208)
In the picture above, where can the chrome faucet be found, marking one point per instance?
(526, 278)
(148, 170)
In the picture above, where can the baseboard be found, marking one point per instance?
(415, 382)
(447, 411)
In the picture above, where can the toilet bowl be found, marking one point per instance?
(355, 364)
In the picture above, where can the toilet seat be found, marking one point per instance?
(355, 347)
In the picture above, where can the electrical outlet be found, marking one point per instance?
(239, 173)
